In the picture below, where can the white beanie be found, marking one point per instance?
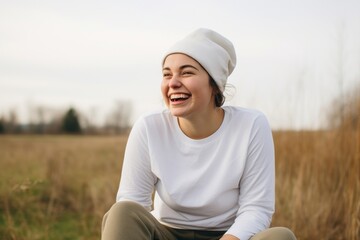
(215, 53)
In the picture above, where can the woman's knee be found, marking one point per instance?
(284, 233)
(125, 209)
(275, 233)
(122, 218)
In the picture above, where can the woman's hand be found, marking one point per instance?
(229, 237)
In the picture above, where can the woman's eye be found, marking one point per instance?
(166, 74)
(187, 73)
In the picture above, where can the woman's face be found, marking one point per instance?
(185, 87)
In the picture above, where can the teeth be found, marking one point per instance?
(178, 96)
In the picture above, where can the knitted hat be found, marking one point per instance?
(215, 53)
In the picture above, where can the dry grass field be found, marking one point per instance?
(58, 187)
(318, 184)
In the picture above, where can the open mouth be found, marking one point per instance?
(179, 97)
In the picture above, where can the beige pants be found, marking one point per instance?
(130, 221)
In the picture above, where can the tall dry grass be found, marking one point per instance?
(318, 176)
(318, 184)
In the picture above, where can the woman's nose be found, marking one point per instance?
(174, 82)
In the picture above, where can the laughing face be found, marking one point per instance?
(185, 87)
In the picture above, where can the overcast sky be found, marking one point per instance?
(90, 54)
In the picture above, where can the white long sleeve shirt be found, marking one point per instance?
(223, 182)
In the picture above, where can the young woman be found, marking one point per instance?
(210, 166)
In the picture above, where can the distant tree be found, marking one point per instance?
(70, 123)
(55, 124)
(2, 126)
(118, 121)
(40, 119)
(88, 121)
(12, 125)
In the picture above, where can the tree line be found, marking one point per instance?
(69, 121)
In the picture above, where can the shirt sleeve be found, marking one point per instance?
(257, 185)
(137, 180)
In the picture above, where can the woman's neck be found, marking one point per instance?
(199, 127)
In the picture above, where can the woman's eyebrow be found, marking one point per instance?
(186, 66)
(182, 67)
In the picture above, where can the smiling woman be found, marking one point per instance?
(211, 167)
